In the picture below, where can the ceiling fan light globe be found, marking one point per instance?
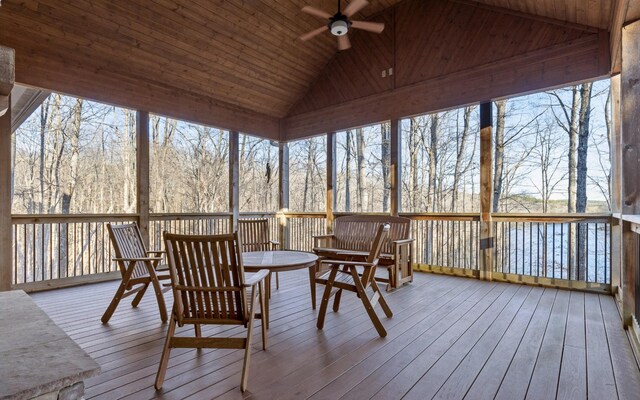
(339, 28)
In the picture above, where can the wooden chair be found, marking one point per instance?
(353, 235)
(139, 268)
(254, 236)
(354, 281)
(209, 287)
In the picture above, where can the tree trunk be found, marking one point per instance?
(573, 139)
(347, 185)
(70, 186)
(386, 163)
(413, 165)
(308, 173)
(581, 178)
(45, 124)
(361, 171)
(460, 156)
(433, 159)
(498, 172)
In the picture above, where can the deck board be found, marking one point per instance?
(449, 338)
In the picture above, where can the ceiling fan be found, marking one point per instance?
(339, 24)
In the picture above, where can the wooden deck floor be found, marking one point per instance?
(449, 338)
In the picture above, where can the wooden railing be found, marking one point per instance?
(547, 248)
(48, 247)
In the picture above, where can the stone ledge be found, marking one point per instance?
(38, 358)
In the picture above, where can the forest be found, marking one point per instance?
(551, 154)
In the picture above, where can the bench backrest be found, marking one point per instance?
(357, 232)
(254, 234)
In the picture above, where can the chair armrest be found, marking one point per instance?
(403, 241)
(349, 263)
(274, 244)
(257, 277)
(326, 240)
(323, 236)
(137, 259)
(157, 252)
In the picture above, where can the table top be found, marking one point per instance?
(278, 260)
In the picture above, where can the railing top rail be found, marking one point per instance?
(552, 218)
(56, 218)
(497, 217)
(181, 216)
(290, 214)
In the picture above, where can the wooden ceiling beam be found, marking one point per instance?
(618, 17)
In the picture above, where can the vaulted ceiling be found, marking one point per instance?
(237, 64)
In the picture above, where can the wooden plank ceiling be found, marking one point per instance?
(239, 54)
(236, 64)
(445, 54)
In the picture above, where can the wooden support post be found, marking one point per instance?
(142, 173)
(234, 179)
(486, 191)
(396, 167)
(283, 198)
(7, 79)
(6, 236)
(630, 142)
(615, 188)
(331, 179)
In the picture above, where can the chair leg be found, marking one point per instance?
(166, 351)
(263, 311)
(277, 282)
(382, 301)
(326, 296)
(160, 298)
(367, 304)
(312, 284)
(114, 302)
(336, 301)
(247, 349)
(136, 300)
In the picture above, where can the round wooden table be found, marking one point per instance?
(278, 261)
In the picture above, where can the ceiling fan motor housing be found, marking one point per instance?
(339, 27)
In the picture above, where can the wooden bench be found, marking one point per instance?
(353, 235)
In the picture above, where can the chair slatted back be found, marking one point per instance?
(254, 234)
(381, 236)
(207, 277)
(127, 243)
(357, 232)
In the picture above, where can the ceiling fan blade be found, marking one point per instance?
(313, 33)
(354, 6)
(376, 27)
(343, 42)
(314, 11)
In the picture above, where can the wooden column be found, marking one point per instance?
(142, 173)
(615, 188)
(331, 179)
(7, 79)
(486, 190)
(396, 167)
(630, 171)
(6, 236)
(234, 179)
(283, 198)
